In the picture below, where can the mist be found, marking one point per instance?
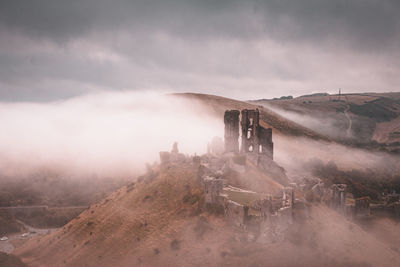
(330, 126)
(296, 154)
(102, 134)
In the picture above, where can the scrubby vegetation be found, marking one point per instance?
(8, 224)
(52, 188)
(369, 182)
(10, 260)
(381, 109)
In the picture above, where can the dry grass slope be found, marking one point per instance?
(158, 222)
(217, 106)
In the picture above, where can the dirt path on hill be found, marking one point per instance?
(350, 122)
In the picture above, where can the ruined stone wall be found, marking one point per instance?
(266, 146)
(276, 221)
(275, 214)
(255, 139)
(213, 188)
(274, 226)
(265, 206)
(235, 213)
(288, 197)
(250, 125)
(231, 120)
(172, 157)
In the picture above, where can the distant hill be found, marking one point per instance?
(280, 125)
(372, 117)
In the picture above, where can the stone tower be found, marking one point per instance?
(255, 138)
(250, 124)
(231, 120)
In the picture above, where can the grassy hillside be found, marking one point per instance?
(369, 118)
(8, 260)
(159, 222)
(8, 224)
(217, 106)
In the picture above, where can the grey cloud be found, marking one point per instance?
(363, 21)
(270, 47)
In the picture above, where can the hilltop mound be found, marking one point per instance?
(159, 221)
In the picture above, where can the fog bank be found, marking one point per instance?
(105, 133)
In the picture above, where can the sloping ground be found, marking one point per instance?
(269, 119)
(127, 220)
(8, 260)
(388, 132)
(8, 224)
(385, 229)
(254, 179)
(373, 116)
(157, 222)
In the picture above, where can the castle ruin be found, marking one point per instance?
(255, 139)
(231, 120)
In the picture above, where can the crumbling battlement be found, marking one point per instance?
(172, 157)
(255, 139)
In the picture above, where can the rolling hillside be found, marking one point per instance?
(159, 222)
(280, 125)
(368, 118)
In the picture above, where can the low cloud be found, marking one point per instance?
(104, 134)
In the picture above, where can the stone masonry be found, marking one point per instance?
(255, 139)
(231, 120)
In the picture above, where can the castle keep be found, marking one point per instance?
(231, 120)
(255, 139)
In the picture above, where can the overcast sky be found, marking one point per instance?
(243, 49)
